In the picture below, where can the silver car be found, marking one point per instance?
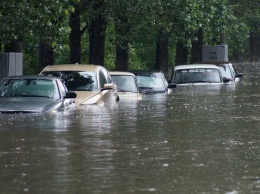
(35, 94)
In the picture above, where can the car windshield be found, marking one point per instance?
(225, 71)
(76, 81)
(28, 88)
(149, 81)
(125, 83)
(197, 75)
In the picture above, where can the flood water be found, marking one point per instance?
(193, 140)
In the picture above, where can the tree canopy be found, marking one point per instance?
(131, 29)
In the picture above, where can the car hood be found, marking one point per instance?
(200, 84)
(130, 96)
(25, 104)
(88, 97)
(147, 90)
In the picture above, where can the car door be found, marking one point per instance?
(108, 95)
(67, 103)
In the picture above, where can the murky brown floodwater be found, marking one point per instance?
(194, 140)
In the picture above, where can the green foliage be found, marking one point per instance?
(30, 66)
(48, 21)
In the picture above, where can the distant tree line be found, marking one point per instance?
(123, 34)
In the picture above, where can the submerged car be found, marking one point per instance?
(228, 71)
(92, 83)
(34, 94)
(126, 85)
(197, 74)
(151, 81)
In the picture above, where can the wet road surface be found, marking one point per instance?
(193, 140)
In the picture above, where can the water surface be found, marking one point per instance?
(193, 140)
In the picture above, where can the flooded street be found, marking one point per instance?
(194, 140)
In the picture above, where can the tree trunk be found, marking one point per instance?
(222, 40)
(196, 50)
(122, 43)
(181, 53)
(254, 47)
(162, 57)
(46, 56)
(122, 55)
(238, 56)
(97, 41)
(97, 33)
(75, 36)
(14, 46)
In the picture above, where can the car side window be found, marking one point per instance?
(165, 83)
(62, 88)
(232, 70)
(102, 79)
(225, 71)
(107, 75)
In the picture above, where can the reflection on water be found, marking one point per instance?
(194, 140)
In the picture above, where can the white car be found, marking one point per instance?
(126, 85)
(197, 74)
(92, 83)
(228, 71)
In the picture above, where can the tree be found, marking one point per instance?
(76, 32)
(46, 55)
(146, 34)
(221, 24)
(51, 17)
(170, 19)
(162, 44)
(13, 33)
(122, 28)
(196, 47)
(75, 35)
(97, 31)
(14, 46)
(126, 18)
(252, 19)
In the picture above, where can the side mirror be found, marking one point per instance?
(71, 94)
(108, 86)
(172, 85)
(239, 75)
(225, 80)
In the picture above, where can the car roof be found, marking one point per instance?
(220, 63)
(145, 71)
(223, 64)
(32, 77)
(72, 67)
(190, 66)
(121, 73)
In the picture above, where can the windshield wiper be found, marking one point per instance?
(146, 87)
(193, 81)
(122, 90)
(30, 95)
